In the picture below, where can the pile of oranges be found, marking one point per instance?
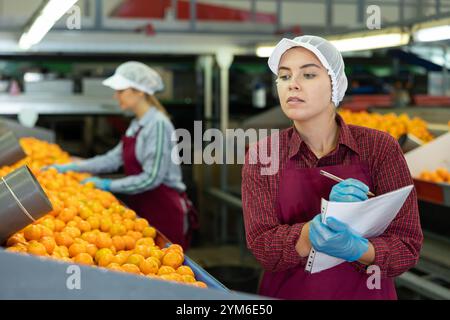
(440, 175)
(89, 226)
(39, 154)
(395, 125)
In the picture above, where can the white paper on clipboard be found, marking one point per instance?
(369, 218)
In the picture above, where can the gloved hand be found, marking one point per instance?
(100, 183)
(62, 168)
(350, 190)
(336, 239)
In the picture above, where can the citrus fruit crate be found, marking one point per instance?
(429, 166)
(437, 193)
(32, 277)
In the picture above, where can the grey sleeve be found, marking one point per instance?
(156, 160)
(108, 162)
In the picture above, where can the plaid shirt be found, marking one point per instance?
(273, 243)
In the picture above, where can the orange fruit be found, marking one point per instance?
(32, 232)
(77, 219)
(176, 247)
(131, 268)
(129, 214)
(116, 218)
(74, 232)
(62, 251)
(46, 232)
(22, 246)
(188, 278)
(135, 259)
(104, 241)
(105, 224)
(157, 254)
(145, 241)
(15, 238)
(85, 212)
(94, 221)
(147, 267)
(157, 261)
(143, 250)
(129, 242)
(67, 214)
(63, 239)
(149, 232)
(49, 223)
(59, 225)
(89, 237)
(121, 257)
(129, 224)
(173, 259)
(77, 248)
(165, 270)
(200, 284)
(442, 172)
(83, 258)
(16, 249)
(102, 252)
(84, 226)
(36, 248)
(91, 249)
(171, 277)
(117, 229)
(118, 243)
(185, 270)
(135, 234)
(49, 244)
(106, 202)
(140, 224)
(97, 207)
(114, 266)
(105, 259)
(71, 223)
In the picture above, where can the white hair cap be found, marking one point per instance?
(329, 56)
(135, 75)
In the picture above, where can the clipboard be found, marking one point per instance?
(369, 218)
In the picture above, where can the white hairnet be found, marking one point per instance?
(329, 56)
(135, 75)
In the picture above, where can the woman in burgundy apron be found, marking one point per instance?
(311, 82)
(301, 206)
(158, 196)
(165, 208)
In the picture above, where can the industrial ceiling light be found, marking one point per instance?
(435, 30)
(386, 38)
(44, 19)
(264, 51)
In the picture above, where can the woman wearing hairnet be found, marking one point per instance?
(153, 184)
(282, 211)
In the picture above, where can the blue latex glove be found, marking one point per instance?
(350, 190)
(103, 184)
(336, 239)
(63, 168)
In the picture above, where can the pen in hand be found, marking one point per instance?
(333, 177)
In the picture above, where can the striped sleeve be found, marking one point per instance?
(106, 163)
(156, 157)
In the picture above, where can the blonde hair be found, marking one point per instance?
(152, 100)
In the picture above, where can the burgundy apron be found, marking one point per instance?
(300, 193)
(165, 208)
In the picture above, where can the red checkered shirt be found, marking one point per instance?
(273, 243)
